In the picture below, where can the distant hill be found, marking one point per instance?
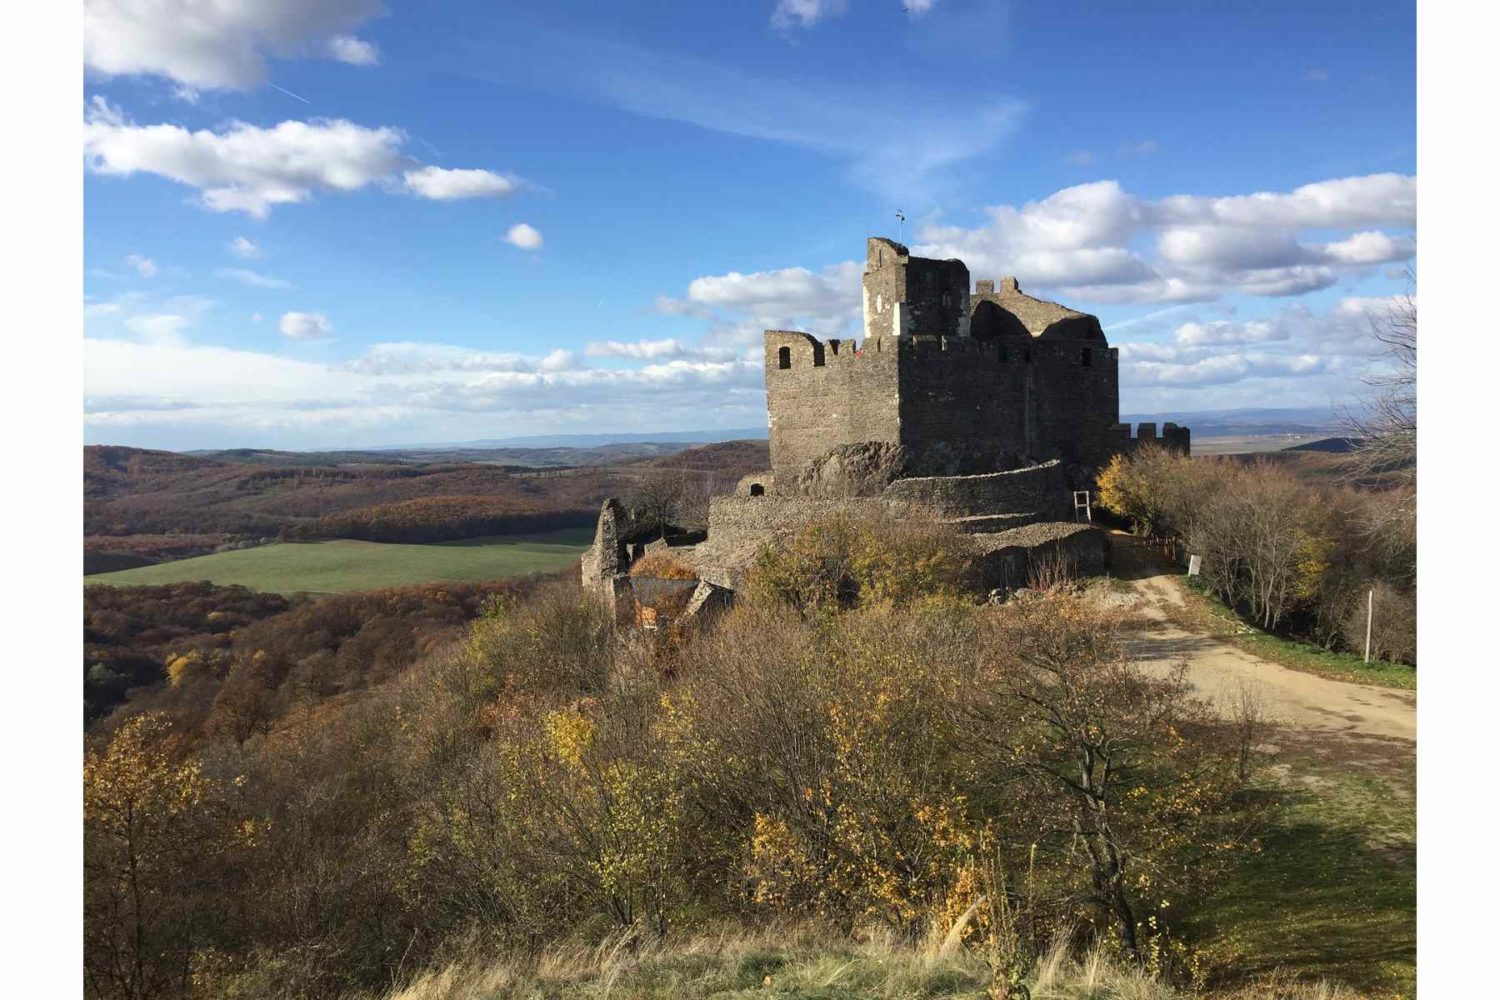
(1333, 445)
(1244, 422)
(142, 506)
(596, 440)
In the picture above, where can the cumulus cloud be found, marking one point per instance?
(1295, 346)
(144, 266)
(805, 13)
(304, 325)
(247, 168)
(441, 184)
(253, 279)
(219, 45)
(524, 236)
(242, 246)
(1096, 242)
(354, 51)
(740, 306)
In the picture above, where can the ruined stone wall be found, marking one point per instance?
(906, 295)
(1040, 490)
(765, 515)
(1007, 559)
(825, 394)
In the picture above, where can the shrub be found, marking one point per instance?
(661, 564)
(844, 563)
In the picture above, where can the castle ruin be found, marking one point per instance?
(982, 408)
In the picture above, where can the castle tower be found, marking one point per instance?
(906, 296)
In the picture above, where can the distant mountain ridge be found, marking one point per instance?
(1247, 421)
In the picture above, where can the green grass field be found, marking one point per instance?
(345, 564)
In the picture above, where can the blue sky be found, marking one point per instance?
(340, 223)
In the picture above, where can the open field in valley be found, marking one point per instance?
(347, 564)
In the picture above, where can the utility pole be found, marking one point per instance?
(1369, 622)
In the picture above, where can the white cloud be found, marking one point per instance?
(1095, 242)
(354, 51)
(218, 45)
(917, 8)
(1291, 354)
(254, 279)
(144, 266)
(1224, 332)
(806, 13)
(182, 395)
(242, 246)
(247, 168)
(665, 349)
(742, 306)
(304, 326)
(158, 328)
(524, 236)
(441, 184)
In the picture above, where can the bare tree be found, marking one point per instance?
(657, 500)
(1386, 428)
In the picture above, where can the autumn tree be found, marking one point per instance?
(152, 826)
(1100, 760)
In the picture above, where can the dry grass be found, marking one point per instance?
(804, 962)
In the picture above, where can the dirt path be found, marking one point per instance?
(1306, 702)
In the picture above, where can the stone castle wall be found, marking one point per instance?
(1041, 491)
(977, 405)
(821, 395)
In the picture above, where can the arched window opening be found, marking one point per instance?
(1088, 358)
(757, 490)
(784, 357)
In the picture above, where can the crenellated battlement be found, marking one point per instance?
(789, 349)
(1172, 436)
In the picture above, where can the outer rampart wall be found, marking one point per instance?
(1041, 490)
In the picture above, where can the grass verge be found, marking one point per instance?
(1205, 612)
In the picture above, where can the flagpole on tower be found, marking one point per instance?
(901, 220)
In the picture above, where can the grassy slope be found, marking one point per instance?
(342, 565)
(1332, 893)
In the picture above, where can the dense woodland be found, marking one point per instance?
(232, 659)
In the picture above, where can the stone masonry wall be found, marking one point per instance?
(825, 394)
(906, 295)
(1041, 490)
(1001, 402)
